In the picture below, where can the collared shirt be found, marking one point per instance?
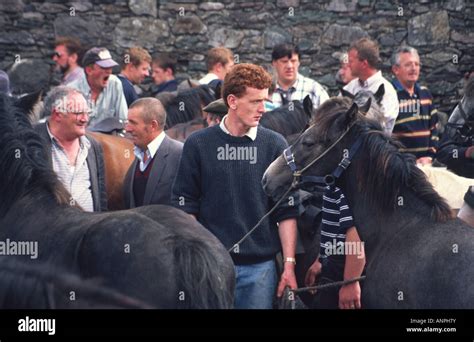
(389, 100)
(110, 102)
(75, 178)
(303, 86)
(208, 78)
(150, 152)
(76, 74)
(415, 126)
(251, 133)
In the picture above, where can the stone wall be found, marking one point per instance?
(441, 30)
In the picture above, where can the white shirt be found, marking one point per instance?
(251, 133)
(389, 100)
(208, 78)
(150, 152)
(75, 178)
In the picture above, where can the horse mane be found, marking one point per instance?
(23, 160)
(284, 120)
(390, 170)
(187, 105)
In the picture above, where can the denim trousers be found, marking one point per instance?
(255, 285)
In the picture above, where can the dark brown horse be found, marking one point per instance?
(118, 156)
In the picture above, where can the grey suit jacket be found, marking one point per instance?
(95, 163)
(164, 170)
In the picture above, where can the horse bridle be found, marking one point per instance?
(299, 180)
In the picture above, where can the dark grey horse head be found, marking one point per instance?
(369, 103)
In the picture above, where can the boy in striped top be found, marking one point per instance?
(415, 126)
(341, 254)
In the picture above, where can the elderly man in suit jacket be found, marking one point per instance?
(149, 179)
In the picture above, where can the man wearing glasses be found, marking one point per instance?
(76, 158)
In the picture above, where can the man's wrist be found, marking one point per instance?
(290, 260)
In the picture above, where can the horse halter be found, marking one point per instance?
(329, 179)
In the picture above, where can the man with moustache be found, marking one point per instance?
(76, 158)
(103, 91)
(208, 179)
(67, 52)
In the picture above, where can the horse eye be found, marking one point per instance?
(308, 142)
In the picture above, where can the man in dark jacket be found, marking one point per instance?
(76, 158)
(149, 179)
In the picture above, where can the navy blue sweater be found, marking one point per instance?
(219, 181)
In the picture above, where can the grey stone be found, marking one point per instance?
(143, 7)
(455, 5)
(81, 6)
(429, 28)
(50, 8)
(440, 57)
(392, 39)
(337, 35)
(212, 6)
(33, 16)
(226, 37)
(13, 6)
(287, 3)
(275, 36)
(190, 24)
(466, 38)
(17, 37)
(145, 32)
(342, 6)
(87, 28)
(328, 80)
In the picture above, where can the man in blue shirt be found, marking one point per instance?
(135, 67)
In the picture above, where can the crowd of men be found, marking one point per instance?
(223, 193)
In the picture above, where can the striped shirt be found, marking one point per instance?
(303, 86)
(75, 178)
(415, 126)
(336, 220)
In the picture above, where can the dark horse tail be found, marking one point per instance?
(202, 275)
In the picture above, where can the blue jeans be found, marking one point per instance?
(255, 285)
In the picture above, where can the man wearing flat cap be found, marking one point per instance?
(102, 90)
(215, 110)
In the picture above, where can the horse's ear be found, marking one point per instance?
(380, 93)
(366, 106)
(308, 106)
(351, 114)
(346, 93)
(28, 101)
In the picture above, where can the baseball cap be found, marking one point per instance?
(100, 56)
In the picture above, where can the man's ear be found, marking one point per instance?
(74, 57)
(232, 101)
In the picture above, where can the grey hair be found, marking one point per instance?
(395, 59)
(152, 109)
(57, 97)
